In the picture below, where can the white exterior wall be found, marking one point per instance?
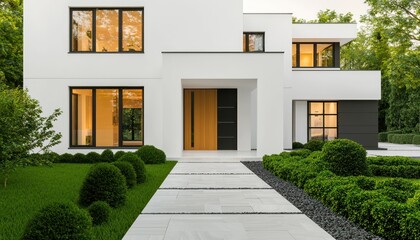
(330, 32)
(300, 121)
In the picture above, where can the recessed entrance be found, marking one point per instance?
(210, 119)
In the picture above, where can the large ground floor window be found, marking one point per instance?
(106, 117)
(322, 120)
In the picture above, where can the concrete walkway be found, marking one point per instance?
(220, 199)
(392, 149)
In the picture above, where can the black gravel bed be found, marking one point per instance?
(339, 227)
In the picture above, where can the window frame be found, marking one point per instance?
(247, 40)
(120, 118)
(309, 114)
(336, 54)
(120, 27)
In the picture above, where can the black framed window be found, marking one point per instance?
(322, 120)
(106, 117)
(106, 30)
(316, 55)
(253, 42)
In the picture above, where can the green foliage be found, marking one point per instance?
(118, 154)
(94, 157)
(328, 16)
(107, 156)
(410, 226)
(383, 137)
(137, 164)
(151, 155)
(99, 211)
(386, 218)
(128, 171)
(401, 138)
(399, 184)
(80, 158)
(314, 145)
(345, 157)
(59, 221)
(394, 167)
(66, 158)
(11, 43)
(416, 140)
(23, 129)
(301, 152)
(297, 145)
(104, 182)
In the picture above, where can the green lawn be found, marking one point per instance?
(31, 188)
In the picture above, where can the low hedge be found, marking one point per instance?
(383, 137)
(314, 145)
(416, 140)
(394, 167)
(401, 138)
(297, 145)
(381, 208)
(151, 155)
(393, 161)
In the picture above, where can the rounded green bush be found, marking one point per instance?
(59, 221)
(137, 164)
(314, 145)
(66, 158)
(52, 157)
(118, 154)
(80, 158)
(99, 211)
(386, 218)
(107, 156)
(345, 157)
(297, 145)
(104, 182)
(93, 157)
(127, 170)
(151, 155)
(410, 226)
(301, 152)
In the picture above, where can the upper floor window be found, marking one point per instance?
(315, 55)
(253, 42)
(106, 30)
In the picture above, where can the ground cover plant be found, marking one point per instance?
(32, 188)
(381, 204)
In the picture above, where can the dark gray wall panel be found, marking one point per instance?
(358, 121)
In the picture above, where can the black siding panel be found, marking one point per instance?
(227, 123)
(358, 121)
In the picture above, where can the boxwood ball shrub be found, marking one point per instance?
(107, 156)
(127, 170)
(151, 155)
(297, 145)
(104, 182)
(94, 157)
(314, 145)
(59, 221)
(118, 154)
(99, 211)
(66, 158)
(80, 158)
(137, 164)
(345, 157)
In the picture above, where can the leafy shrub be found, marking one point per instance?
(395, 171)
(137, 164)
(93, 157)
(383, 137)
(386, 218)
(314, 145)
(59, 221)
(345, 157)
(128, 171)
(52, 156)
(297, 145)
(416, 140)
(118, 154)
(337, 196)
(401, 138)
(399, 184)
(151, 155)
(99, 211)
(301, 152)
(365, 183)
(107, 156)
(393, 161)
(410, 226)
(80, 158)
(104, 182)
(66, 158)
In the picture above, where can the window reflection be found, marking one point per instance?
(132, 125)
(107, 30)
(81, 31)
(253, 42)
(294, 55)
(324, 53)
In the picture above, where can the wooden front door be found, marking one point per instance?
(200, 119)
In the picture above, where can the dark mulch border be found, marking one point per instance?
(338, 226)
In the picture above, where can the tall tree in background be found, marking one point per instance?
(11, 42)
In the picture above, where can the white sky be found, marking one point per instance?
(306, 9)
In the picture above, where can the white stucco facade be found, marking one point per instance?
(192, 44)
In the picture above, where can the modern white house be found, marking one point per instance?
(192, 75)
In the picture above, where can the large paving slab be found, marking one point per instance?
(226, 227)
(219, 201)
(210, 168)
(213, 181)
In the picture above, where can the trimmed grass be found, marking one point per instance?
(31, 188)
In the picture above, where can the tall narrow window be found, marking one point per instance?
(324, 55)
(81, 31)
(294, 55)
(253, 42)
(132, 113)
(81, 100)
(322, 120)
(107, 118)
(132, 32)
(107, 30)
(306, 55)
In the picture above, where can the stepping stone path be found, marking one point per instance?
(206, 199)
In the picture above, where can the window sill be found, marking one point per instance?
(142, 52)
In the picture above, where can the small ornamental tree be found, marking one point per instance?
(23, 129)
